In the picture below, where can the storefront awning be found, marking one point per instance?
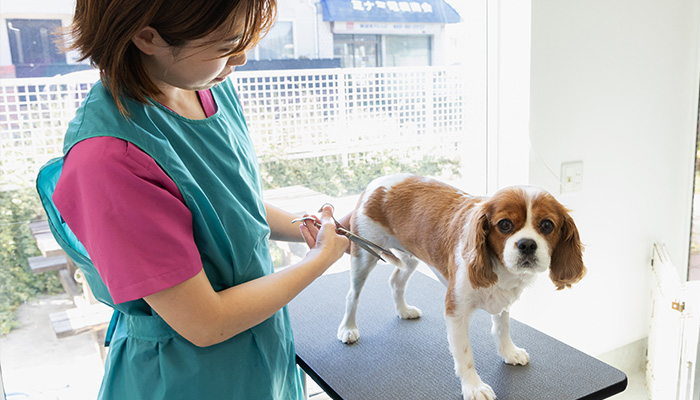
(434, 11)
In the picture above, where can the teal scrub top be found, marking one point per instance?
(213, 163)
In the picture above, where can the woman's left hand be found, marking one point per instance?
(309, 231)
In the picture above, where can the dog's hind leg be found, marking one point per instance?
(361, 265)
(398, 281)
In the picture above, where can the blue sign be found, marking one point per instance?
(436, 11)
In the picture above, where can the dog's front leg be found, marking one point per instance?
(511, 353)
(473, 388)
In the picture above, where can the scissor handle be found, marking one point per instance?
(309, 218)
(339, 229)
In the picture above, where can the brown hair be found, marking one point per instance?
(102, 31)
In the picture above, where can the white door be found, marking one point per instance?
(674, 331)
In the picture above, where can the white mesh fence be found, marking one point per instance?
(351, 114)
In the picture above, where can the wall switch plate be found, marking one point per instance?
(571, 177)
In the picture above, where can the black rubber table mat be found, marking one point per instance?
(410, 359)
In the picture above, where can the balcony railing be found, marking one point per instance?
(345, 113)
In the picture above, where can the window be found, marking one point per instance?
(31, 41)
(32, 50)
(407, 50)
(340, 109)
(694, 259)
(357, 51)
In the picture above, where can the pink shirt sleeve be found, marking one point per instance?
(129, 215)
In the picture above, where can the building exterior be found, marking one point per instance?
(363, 33)
(379, 33)
(353, 33)
(26, 43)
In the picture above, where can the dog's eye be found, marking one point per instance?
(505, 225)
(546, 226)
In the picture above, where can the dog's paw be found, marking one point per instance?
(410, 312)
(481, 391)
(515, 356)
(348, 335)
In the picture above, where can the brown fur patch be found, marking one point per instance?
(429, 219)
(426, 216)
(566, 267)
(510, 204)
(375, 208)
(477, 252)
(450, 299)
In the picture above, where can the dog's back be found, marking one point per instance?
(417, 212)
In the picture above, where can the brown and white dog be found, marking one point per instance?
(485, 251)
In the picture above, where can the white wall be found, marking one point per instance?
(303, 14)
(614, 84)
(37, 7)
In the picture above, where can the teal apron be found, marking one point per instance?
(213, 163)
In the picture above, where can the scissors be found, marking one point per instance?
(365, 244)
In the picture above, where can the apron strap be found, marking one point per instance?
(143, 327)
(112, 326)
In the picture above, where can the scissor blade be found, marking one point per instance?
(358, 241)
(365, 244)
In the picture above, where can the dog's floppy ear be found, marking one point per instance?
(476, 252)
(567, 267)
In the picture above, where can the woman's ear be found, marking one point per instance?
(149, 41)
(476, 252)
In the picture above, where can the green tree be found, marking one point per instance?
(17, 283)
(334, 178)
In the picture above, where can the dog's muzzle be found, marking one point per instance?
(527, 247)
(527, 253)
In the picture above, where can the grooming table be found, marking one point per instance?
(410, 359)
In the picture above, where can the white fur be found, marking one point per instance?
(512, 256)
(513, 277)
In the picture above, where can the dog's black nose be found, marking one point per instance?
(527, 246)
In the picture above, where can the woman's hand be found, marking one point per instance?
(309, 231)
(325, 241)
